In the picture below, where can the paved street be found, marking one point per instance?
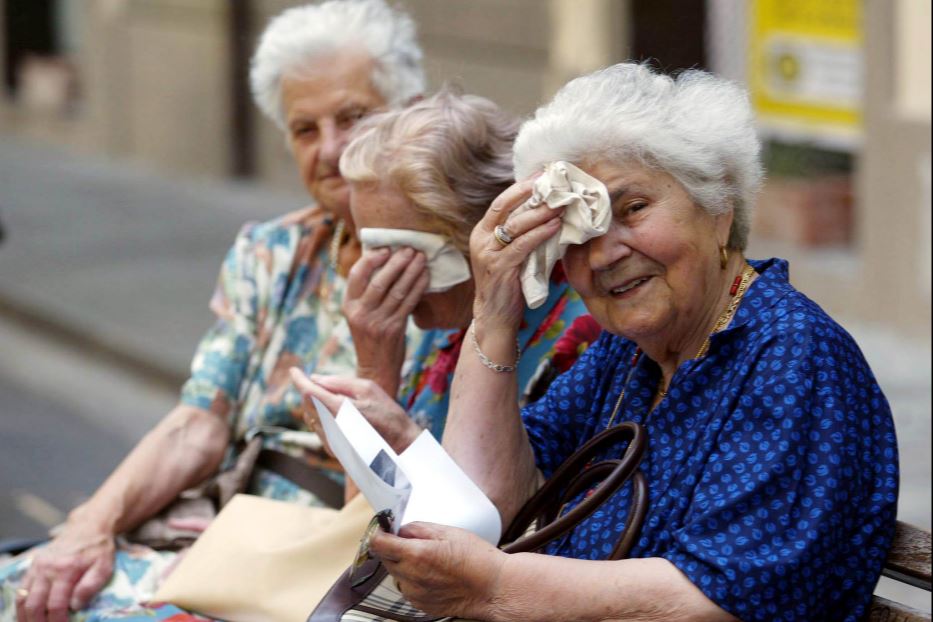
(66, 423)
(105, 277)
(123, 256)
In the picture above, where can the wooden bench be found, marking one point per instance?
(908, 562)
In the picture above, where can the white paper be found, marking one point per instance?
(357, 457)
(428, 485)
(442, 493)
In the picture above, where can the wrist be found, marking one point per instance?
(497, 350)
(500, 605)
(406, 436)
(88, 518)
(387, 380)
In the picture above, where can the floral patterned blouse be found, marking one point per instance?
(425, 392)
(278, 305)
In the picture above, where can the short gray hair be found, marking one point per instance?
(450, 155)
(697, 127)
(302, 34)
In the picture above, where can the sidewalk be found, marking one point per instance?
(126, 260)
(115, 254)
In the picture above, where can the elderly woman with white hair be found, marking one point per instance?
(421, 178)
(771, 464)
(318, 69)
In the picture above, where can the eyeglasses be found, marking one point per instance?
(357, 576)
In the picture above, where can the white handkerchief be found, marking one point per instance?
(446, 265)
(587, 216)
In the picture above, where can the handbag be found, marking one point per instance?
(263, 560)
(540, 522)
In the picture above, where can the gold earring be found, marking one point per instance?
(723, 257)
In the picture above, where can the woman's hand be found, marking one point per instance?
(443, 570)
(498, 305)
(382, 412)
(377, 305)
(66, 574)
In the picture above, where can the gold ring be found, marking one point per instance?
(22, 592)
(502, 235)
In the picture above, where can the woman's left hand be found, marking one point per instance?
(442, 570)
(382, 412)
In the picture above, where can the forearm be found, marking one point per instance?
(484, 431)
(539, 588)
(185, 448)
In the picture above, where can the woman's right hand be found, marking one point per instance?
(382, 412)
(498, 304)
(383, 288)
(67, 573)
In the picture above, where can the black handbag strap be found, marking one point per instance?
(304, 475)
(575, 475)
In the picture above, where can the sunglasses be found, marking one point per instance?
(358, 575)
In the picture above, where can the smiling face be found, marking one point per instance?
(655, 276)
(321, 103)
(382, 206)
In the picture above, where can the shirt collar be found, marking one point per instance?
(767, 290)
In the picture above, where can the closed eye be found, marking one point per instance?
(630, 208)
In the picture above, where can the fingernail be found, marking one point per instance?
(316, 377)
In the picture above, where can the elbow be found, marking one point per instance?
(195, 433)
(674, 598)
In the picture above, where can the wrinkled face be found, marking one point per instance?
(655, 273)
(384, 206)
(321, 103)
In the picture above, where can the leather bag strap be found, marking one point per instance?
(302, 474)
(574, 476)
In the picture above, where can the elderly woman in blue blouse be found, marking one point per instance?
(772, 464)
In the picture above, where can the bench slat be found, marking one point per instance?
(909, 559)
(884, 610)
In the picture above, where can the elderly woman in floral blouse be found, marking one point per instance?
(318, 69)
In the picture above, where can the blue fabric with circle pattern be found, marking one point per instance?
(772, 463)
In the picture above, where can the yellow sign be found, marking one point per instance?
(806, 66)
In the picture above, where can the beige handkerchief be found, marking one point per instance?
(447, 265)
(587, 216)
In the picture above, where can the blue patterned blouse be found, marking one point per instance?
(772, 463)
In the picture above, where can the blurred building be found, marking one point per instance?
(842, 88)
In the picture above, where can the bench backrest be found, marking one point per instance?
(908, 562)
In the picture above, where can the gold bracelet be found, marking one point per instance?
(485, 360)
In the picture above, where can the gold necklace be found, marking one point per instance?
(326, 287)
(333, 255)
(739, 286)
(738, 289)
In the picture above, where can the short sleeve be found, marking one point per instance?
(795, 509)
(561, 421)
(223, 354)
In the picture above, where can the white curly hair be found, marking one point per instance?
(697, 127)
(302, 34)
